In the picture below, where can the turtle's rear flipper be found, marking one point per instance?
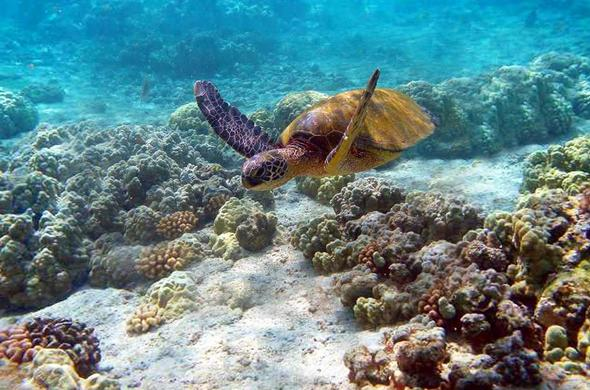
(337, 156)
(229, 123)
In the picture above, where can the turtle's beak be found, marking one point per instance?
(251, 182)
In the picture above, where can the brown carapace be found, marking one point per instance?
(350, 132)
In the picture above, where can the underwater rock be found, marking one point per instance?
(17, 114)
(50, 92)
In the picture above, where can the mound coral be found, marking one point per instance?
(54, 369)
(363, 196)
(21, 343)
(165, 301)
(242, 221)
(17, 114)
(564, 166)
(512, 105)
(189, 117)
(323, 189)
(176, 224)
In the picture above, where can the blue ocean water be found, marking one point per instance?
(134, 255)
(260, 50)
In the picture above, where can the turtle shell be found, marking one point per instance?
(394, 122)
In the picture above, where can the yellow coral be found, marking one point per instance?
(165, 301)
(176, 224)
(146, 316)
(161, 260)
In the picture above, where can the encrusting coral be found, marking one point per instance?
(165, 301)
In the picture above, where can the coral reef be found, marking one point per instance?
(176, 224)
(564, 166)
(21, 343)
(189, 117)
(513, 105)
(54, 369)
(242, 221)
(166, 257)
(322, 189)
(165, 301)
(137, 184)
(17, 114)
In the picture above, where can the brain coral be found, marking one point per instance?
(54, 369)
(21, 343)
(17, 114)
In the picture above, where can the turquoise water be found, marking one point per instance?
(133, 253)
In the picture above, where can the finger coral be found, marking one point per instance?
(176, 224)
(164, 258)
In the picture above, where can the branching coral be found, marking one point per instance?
(176, 224)
(164, 258)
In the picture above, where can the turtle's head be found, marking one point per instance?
(265, 171)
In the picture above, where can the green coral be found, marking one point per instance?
(233, 213)
(323, 189)
(189, 117)
(314, 236)
(339, 255)
(227, 246)
(17, 114)
(561, 166)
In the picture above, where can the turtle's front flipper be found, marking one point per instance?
(340, 152)
(229, 123)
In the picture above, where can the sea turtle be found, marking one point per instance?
(350, 132)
